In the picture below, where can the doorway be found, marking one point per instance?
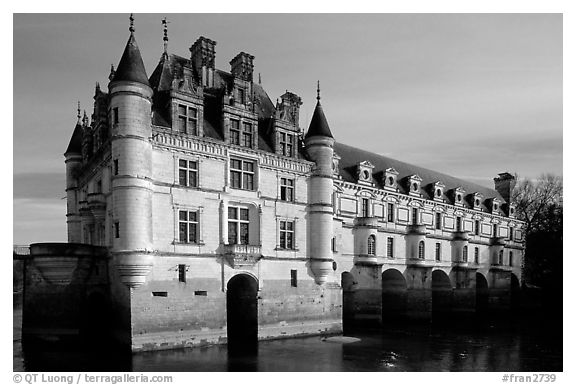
(242, 313)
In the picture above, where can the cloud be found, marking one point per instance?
(40, 185)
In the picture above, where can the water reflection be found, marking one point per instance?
(477, 346)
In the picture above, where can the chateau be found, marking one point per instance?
(200, 212)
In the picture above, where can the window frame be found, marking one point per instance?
(438, 252)
(421, 250)
(188, 223)
(188, 171)
(238, 222)
(287, 185)
(243, 173)
(284, 234)
(371, 245)
(438, 221)
(187, 118)
(390, 247)
(390, 213)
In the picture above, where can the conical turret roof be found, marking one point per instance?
(75, 145)
(131, 67)
(319, 124)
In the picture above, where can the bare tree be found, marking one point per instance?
(536, 200)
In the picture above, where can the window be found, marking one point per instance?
(371, 245)
(235, 132)
(438, 252)
(294, 278)
(421, 250)
(287, 235)
(365, 209)
(465, 254)
(181, 273)
(390, 247)
(247, 135)
(242, 174)
(476, 227)
(510, 258)
(390, 212)
(438, 221)
(238, 226)
(116, 229)
(115, 115)
(415, 219)
(115, 166)
(286, 144)
(188, 226)
(187, 173)
(187, 121)
(458, 223)
(287, 189)
(501, 257)
(511, 233)
(99, 186)
(241, 95)
(495, 230)
(476, 255)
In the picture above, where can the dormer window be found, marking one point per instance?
(414, 185)
(187, 120)
(436, 190)
(364, 172)
(494, 204)
(389, 179)
(511, 210)
(458, 194)
(335, 165)
(475, 201)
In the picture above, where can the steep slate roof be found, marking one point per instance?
(351, 156)
(131, 66)
(75, 145)
(319, 124)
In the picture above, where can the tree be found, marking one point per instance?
(539, 203)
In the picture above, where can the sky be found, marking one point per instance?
(470, 95)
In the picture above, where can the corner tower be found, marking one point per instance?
(130, 109)
(319, 144)
(73, 156)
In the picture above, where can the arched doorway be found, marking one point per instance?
(347, 301)
(242, 312)
(481, 294)
(441, 294)
(394, 289)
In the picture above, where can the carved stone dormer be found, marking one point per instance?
(289, 108)
(494, 204)
(436, 190)
(509, 209)
(413, 183)
(390, 179)
(364, 173)
(457, 195)
(475, 200)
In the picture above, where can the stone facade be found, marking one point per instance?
(216, 210)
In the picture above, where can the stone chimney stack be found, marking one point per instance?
(504, 184)
(242, 66)
(203, 59)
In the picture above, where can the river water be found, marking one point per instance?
(510, 345)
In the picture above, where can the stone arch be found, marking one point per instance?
(394, 293)
(481, 293)
(441, 294)
(347, 300)
(242, 312)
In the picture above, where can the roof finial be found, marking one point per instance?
(131, 29)
(259, 79)
(318, 91)
(79, 116)
(165, 38)
(85, 119)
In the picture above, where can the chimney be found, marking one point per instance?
(504, 184)
(242, 66)
(203, 58)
